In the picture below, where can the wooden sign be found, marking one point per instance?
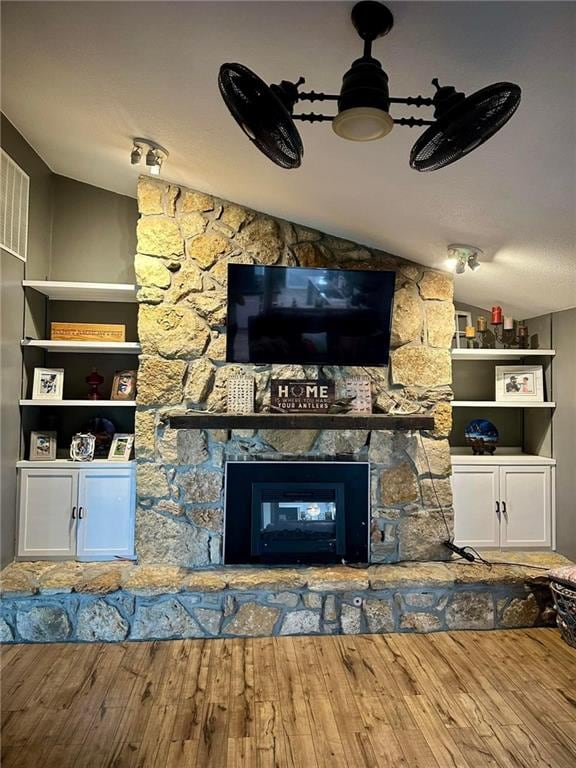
(314, 396)
(87, 332)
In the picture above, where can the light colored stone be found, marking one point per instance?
(151, 271)
(99, 579)
(171, 195)
(145, 431)
(43, 624)
(211, 519)
(157, 579)
(209, 619)
(410, 271)
(61, 578)
(409, 575)
(379, 615)
(261, 239)
(163, 620)
(436, 493)
(219, 271)
(166, 446)
(195, 201)
(422, 535)
(312, 255)
(206, 249)
(169, 507)
(304, 235)
(17, 582)
(420, 622)
(520, 612)
(151, 481)
(289, 440)
(289, 599)
(300, 623)
(187, 281)
(150, 295)
(351, 619)
(199, 382)
(421, 366)
(161, 539)
(217, 347)
(342, 442)
(330, 608)
(211, 306)
(381, 447)
(336, 579)
(266, 579)
(437, 285)
(312, 600)
(160, 381)
(470, 610)
(6, 635)
(398, 485)
(407, 318)
(171, 331)
(234, 216)
(192, 224)
(433, 457)
(252, 620)
(439, 323)
(419, 599)
(159, 237)
(191, 446)
(150, 195)
(442, 420)
(200, 485)
(204, 581)
(100, 622)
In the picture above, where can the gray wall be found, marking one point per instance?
(94, 233)
(12, 318)
(564, 428)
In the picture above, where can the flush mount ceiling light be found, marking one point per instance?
(155, 154)
(266, 113)
(461, 255)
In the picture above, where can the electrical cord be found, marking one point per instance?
(448, 531)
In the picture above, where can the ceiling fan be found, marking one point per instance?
(461, 123)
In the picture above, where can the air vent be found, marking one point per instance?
(14, 189)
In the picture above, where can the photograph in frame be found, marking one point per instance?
(520, 383)
(48, 384)
(43, 446)
(124, 385)
(121, 447)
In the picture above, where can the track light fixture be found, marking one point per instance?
(155, 154)
(461, 123)
(461, 255)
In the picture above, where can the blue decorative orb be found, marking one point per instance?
(482, 436)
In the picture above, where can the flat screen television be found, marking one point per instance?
(315, 316)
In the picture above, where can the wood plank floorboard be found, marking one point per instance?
(503, 699)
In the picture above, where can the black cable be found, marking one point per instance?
(448, 531)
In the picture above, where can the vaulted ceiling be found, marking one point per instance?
(81, 78)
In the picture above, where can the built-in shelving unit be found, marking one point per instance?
(498, 404)
(92, 347)
(58, 290)
(500, 354)
(81, 403)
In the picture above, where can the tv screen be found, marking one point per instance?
(315, 316)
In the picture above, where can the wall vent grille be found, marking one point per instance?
(14, 192)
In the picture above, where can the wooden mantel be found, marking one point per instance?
(206, 420)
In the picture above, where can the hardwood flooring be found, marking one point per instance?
(502, 699)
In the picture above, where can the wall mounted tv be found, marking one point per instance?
(315, 316)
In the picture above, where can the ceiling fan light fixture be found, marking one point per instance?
(362, 124)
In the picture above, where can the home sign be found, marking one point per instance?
(314, 396)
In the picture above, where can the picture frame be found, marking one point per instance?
(121, 447)
(461, 320)
(519, 383)
(43, 445)
(48, 384)
(124, 385)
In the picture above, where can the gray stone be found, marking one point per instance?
(162, 620)
(211, 518)
(252, 620)
(312, 600)
(191, 446)
(160, 539)
(300, 623)
(379, 615)
(420, 622)
(381, 447)
(407, 318)
(215, 550)
(433, 457)
(419, 599)
(43, 624)
(421, 535)
(101, 622)
(6, 635)
(200, 485)
(166, 445)
(289, 599)
(330, 608)
(209, 619)
(437, 492)
(289, 440)
(519, 612)
(351, 619)
(151, 480)
(470, 610)
(342, 442)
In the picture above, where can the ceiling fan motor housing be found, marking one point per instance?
(364, 102)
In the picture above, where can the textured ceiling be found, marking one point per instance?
(81, 78)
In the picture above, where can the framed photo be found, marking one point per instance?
(48, 384)
(520, 383)
(461, 320)
(121, 447)
(124, 386)
(42, 446)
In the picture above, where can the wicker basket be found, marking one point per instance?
(565, 602)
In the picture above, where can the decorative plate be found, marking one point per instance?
(482, 436)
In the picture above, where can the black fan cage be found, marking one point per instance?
(465, 127)
(261, 115)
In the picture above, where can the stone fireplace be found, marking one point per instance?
(186, 239)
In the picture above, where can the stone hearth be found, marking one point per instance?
(110, 602)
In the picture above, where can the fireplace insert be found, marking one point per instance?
(296, 512)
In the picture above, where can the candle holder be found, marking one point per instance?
(511, 337)
(94, 380)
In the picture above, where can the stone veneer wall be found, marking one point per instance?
(186, 239)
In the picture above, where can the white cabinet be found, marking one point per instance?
(83, 511)
(501, 503)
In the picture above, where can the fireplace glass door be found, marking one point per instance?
(290, 520)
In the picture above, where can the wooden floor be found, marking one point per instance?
(447, 700)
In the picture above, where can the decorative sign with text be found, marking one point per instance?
(314, 396)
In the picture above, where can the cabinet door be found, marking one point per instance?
(106, 501)
(46, 526)
(475, 491)
(526, 510)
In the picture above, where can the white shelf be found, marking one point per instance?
(500, 354)
(82, 403)
(503, 455)
(102, 464)
(106, 347)
(498, 404)
(68, 291)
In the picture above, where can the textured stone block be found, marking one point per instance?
(437, 285)
(160, 539)
(421, 366)
(209, 619)
(300, 623)
(171, 331)
(519, 612)
(151, 481)
(335, 579)
(160, 381)
(436, 493)
(442, 420)
(252, 620)
(421, 535)
(195, 201)
(212, 519)
(234, 216)
(150, 195)
(399, 485)
(407, 318)
(289, 599)
(192, 224)
(151, 271)
(159, 237)
(43, 624)
(289, 440)
(200, 485)
(191, 446)
(100, 622)
(261, 239)
(211, 306)
(432, 457)
(470, 610)
(420, 622)
(6, 634)
(330, 608)
(199, 381)
(439, 323)
(162, 620)
(206, 249)
(312, 600)
(379, 615)
(351, 619)
(145, 434)
(185, 283)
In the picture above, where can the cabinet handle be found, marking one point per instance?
(73, 513)
(498, 508)
(80, 512)
(505, 513)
